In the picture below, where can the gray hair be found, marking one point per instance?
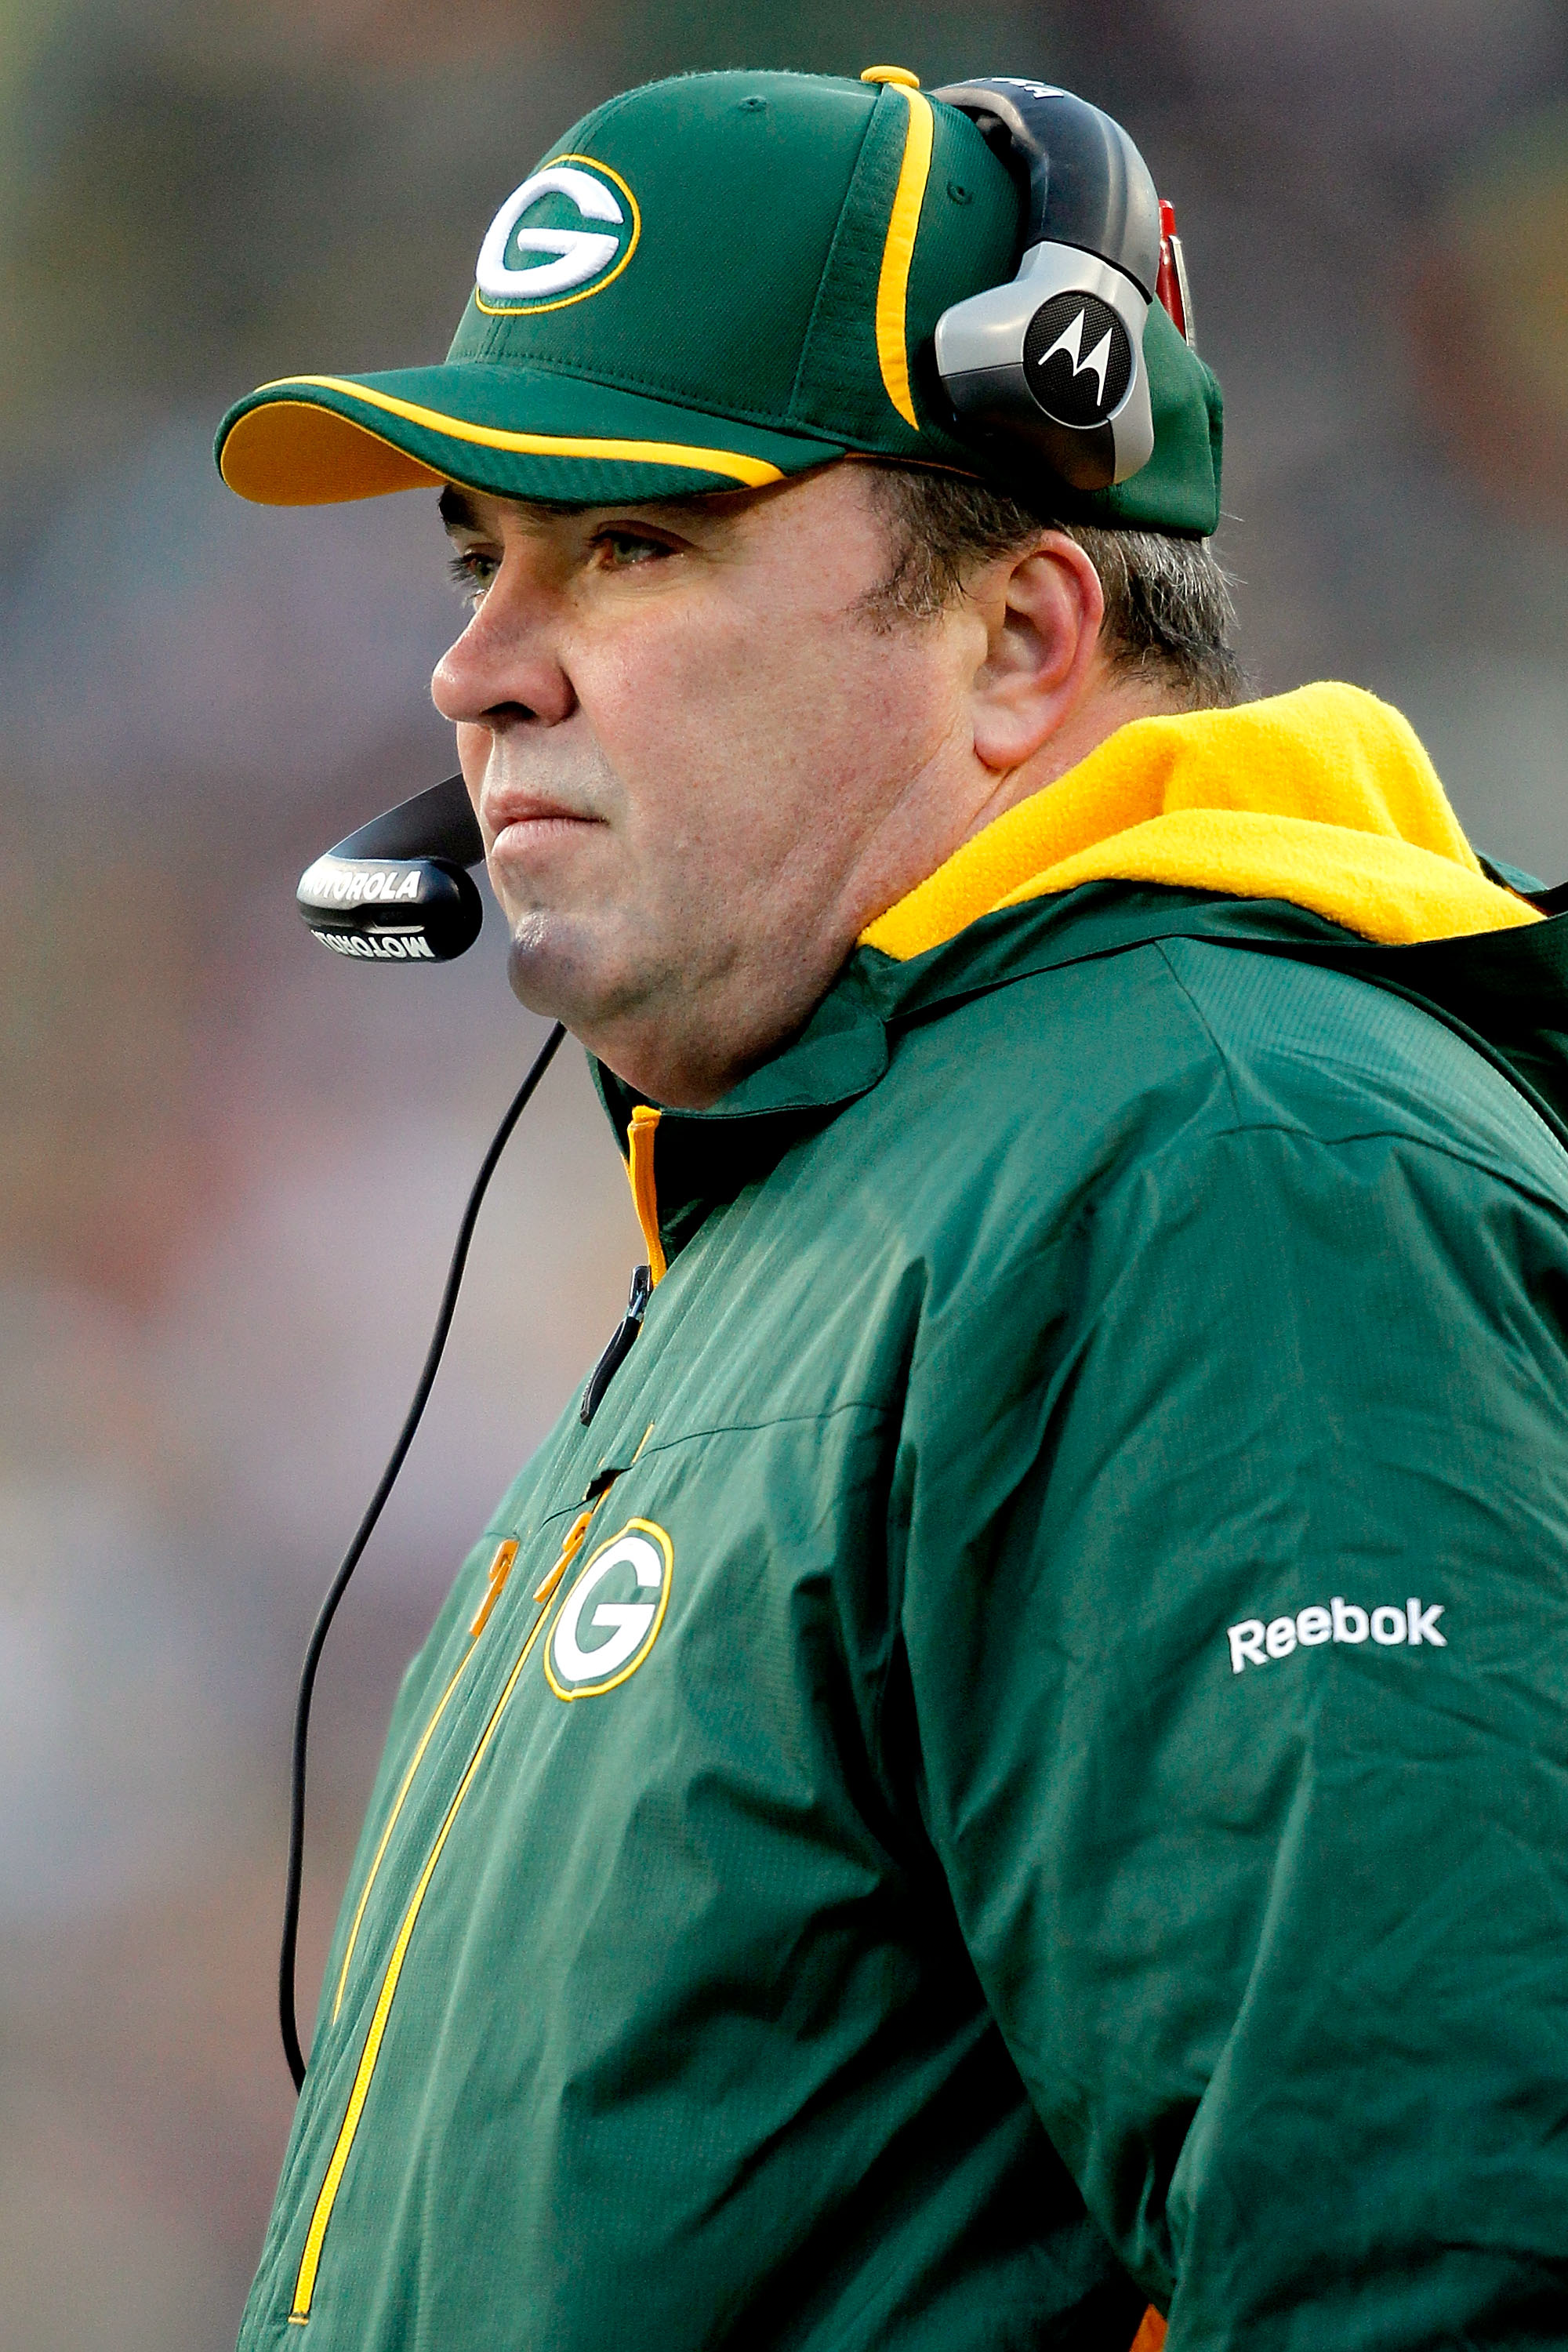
(1168, 613)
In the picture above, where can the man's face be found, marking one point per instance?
(699, 771)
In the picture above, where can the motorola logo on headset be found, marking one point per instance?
(1077, 361)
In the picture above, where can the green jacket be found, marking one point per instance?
(1043, 1783)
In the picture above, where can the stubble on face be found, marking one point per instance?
(699, 768)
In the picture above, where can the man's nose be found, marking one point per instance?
(505, 669)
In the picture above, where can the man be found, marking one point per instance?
(1005, 1763)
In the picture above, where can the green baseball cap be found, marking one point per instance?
(713, 282)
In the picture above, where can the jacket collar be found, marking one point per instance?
(1323, 797)
(1505, 992)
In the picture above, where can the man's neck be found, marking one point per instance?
(672, 1058)
(1116, 705)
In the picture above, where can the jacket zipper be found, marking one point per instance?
(500, 1567)
(642, 1136)
(620, 1346)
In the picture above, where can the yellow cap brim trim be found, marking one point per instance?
(899, 252)
(296, 453)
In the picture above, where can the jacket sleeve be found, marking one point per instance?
(1231, 1526)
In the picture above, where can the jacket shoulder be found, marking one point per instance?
(1303, 1045)
(1009, 1117)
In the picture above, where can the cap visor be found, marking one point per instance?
(518, 433)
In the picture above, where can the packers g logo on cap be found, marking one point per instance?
(628, 1578)
(571, 227)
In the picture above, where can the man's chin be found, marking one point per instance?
(539, 974)
(553, 970)
(615, 1009)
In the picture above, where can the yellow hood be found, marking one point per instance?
(1323, 797)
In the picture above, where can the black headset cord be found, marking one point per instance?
(287, 2017)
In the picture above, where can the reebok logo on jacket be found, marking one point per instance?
(1254, 1643)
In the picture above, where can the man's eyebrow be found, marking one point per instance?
(460, 512)
(698, 506)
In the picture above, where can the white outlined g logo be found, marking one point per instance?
(635, 1566)
(577, 211)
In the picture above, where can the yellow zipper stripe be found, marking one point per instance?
(310, 2260)
(899, 252)
(418, 1757)
(640, 1138)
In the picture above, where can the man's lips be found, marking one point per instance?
(515, 820)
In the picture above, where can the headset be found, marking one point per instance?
(1048, 367)
(1052, 364)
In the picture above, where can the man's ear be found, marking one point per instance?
(1042, 613)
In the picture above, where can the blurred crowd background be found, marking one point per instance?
(232, 1164)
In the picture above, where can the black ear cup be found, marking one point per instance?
(1049, 368)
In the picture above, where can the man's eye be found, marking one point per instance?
(471, 573)
(621, 548)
